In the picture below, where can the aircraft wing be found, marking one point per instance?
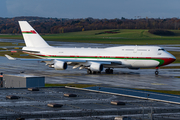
(75, 63)
(45, 60)
(70, 61)
(87, 63)
(25, 59)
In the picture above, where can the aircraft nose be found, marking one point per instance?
(169, 60)
(172, 59)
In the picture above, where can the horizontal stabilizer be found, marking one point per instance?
(9, 57)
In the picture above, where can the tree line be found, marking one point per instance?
(56, 25)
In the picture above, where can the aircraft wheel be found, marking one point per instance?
(93, 72)
(89, 71)
(107, 71)
(156, 72)
(111, 71)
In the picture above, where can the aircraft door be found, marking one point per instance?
(76, 56)
(125, 56)
(98, 56)
(135, 49)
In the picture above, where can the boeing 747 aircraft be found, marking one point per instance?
(92, 59)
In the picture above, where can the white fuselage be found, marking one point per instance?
(92, 59)
(128, 56)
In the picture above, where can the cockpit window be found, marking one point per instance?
(161, 49)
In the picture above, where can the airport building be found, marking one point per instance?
(1, 80)
(21, 81)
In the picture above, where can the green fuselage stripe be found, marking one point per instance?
(27, 33)
(58, 57)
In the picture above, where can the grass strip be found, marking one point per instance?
(11, 44)
(162, 91)
(90, 85)
(17, 54)
(70, 84)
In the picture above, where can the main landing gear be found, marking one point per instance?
(157, 72)
(92, 72)
(89, 71)
(109, 71)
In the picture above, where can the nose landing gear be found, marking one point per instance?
(157, 72)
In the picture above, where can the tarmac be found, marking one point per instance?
(168, 79)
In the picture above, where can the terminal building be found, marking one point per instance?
(21, 81)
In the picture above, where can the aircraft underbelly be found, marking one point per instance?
(143, 63)
(116, 66)
(127, 63)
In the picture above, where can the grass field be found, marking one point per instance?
(123, 36)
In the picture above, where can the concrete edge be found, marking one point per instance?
(145, 98)
(36, 87)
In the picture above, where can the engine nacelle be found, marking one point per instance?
(60, 65)
(96, 67)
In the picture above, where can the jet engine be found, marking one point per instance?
(60, 65)
(96, 67)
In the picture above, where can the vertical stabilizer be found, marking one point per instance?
(31, 37)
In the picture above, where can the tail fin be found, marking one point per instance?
(31, 37)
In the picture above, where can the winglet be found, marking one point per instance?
(9, 57)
